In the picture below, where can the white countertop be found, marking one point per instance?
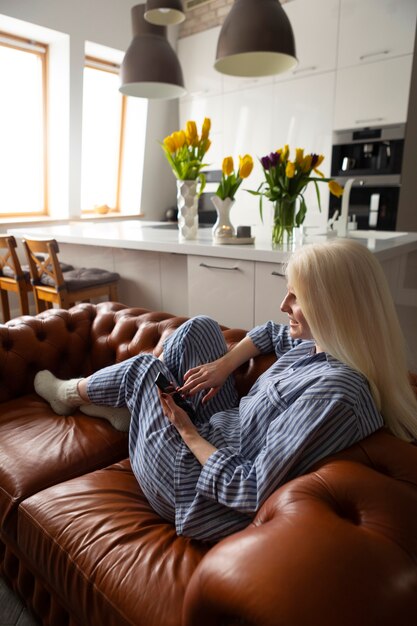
(138, 234)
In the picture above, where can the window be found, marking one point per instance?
(112, 141)
(23, 128)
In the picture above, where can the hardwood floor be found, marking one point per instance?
(12, 611)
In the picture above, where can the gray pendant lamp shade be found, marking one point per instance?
(256, 39)
(150, 68)
(164, 12)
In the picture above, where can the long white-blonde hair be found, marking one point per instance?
(342, 291)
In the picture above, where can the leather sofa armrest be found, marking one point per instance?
(327, 548)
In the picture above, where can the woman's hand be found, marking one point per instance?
(213, 375)
(201, 448)
(176, 415)
(209, 376)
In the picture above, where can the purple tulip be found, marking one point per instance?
(314, 159)
(266, 163)
(274, 158)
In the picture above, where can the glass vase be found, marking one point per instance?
(284, 226)
(187, 203)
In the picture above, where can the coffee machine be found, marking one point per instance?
(373, 157)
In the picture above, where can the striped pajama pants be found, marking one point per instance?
(153, 441)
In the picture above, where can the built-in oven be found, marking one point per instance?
(373, 158)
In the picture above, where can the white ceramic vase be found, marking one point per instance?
(187, 203)
(223, 228)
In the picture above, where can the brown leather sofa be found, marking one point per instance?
(80, 544)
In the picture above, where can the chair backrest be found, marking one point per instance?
(9, 259)
(42, 256)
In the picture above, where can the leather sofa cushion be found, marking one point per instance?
(83, 277)
(40, 449)
(97, 541)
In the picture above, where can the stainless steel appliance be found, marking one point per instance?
(373, 157)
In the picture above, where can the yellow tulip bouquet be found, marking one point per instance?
(185, 151)
(231, 180)
(285, 183)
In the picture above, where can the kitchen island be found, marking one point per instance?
(239, 285)
(163, 237)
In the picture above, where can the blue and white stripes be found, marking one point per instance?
(303, 408)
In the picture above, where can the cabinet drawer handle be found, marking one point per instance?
(300, 70)
(218, 267)
(277, 273)
(373, 54)
(369, 119)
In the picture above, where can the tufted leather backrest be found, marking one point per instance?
(88, 337)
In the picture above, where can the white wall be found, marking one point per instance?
(105, 22)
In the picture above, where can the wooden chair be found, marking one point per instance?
(12, 277)
(53, 286)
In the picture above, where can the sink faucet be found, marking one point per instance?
(341, 225)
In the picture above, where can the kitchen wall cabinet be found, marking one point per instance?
(375, 30)
(270, 290)
(247, 118)
(302, 117)
(223, 289)
(197, 108)
(373, 94)
(315, 27)
(196, 54)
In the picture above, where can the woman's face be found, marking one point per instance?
(299, 328)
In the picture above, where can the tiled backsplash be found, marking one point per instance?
(207, 15)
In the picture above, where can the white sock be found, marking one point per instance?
(62, 395)
(118, 418)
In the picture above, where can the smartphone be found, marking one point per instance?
(166, 386)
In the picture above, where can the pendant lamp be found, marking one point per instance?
(164, 12)
(256, 39)
(150, 68)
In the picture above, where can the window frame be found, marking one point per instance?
(41, 50)
(114, 68)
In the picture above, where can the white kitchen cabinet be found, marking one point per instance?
(197, 54)
(302, 118)
(223, 289)
(315, 27)
(239, 83)
(248, 130)
(373, 94)
(174, 283)
(197, 108)
(373, 30)
(140, 282)
(270, 290)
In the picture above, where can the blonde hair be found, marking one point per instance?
(344, 296)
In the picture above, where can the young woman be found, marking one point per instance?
(340, 375)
